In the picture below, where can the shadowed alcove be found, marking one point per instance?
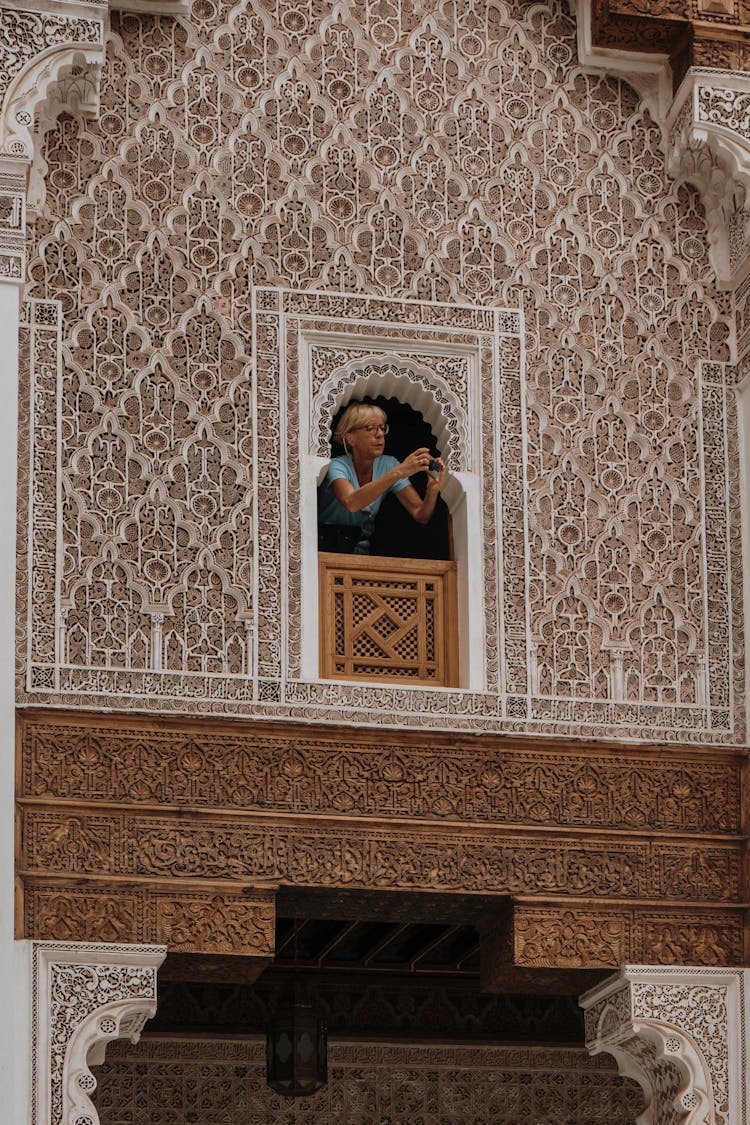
(396, 534)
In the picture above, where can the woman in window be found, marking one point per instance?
(357, 482)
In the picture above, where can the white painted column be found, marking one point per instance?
(15, 975)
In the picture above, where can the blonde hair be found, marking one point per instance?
(356, 415)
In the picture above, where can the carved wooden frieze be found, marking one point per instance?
(294, 768)
(358, 855)
(573, 936)
(225, 919)
(150, 830)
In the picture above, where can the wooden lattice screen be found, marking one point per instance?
(388, 619)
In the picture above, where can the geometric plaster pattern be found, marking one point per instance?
(368, 1082)
(433, 157)
(83, 997)
(681, 1034)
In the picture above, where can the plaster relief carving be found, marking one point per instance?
(468, 1085)
(207, 184)
(50, 64)
(680, 1033)
(84, 996)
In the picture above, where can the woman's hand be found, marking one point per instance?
(419, 507)
(439, 480)
(416, 462)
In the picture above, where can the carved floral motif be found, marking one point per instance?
(84, 996)
(225, 919)
(451, 860)
(306, 770)
(675, 1030)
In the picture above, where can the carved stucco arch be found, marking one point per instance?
(84, 996)
(61, 78)
(394, 376)
(679, 1032)
(54, 65)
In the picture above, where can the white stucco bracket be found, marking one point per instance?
(680, 1033)
(52, 63)
(709, 147)
(707, 133)
(83, 997)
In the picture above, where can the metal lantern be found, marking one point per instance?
(296, 1048)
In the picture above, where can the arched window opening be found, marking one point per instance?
(388, 590)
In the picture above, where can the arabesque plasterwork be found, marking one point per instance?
(84, 997)
(681, 1032)
(207, 179)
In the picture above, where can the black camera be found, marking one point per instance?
(433, 465)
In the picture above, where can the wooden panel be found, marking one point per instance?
(388, 619)
(172, 828)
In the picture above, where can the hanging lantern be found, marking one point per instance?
(296, 1048)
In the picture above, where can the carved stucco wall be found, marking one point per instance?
(425, 152)
(368, 1084)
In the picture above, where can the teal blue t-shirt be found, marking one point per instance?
(330, 511)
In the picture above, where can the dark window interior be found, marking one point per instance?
(396, 533)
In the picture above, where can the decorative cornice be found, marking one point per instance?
(638, 855)
(680, 1033)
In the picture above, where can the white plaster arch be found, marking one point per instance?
(61, 78)
(446, 410)
(679, 1032)
(84, 996)
(394, 376)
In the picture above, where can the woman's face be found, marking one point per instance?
(368, 440)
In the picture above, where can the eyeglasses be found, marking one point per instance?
(374, 428)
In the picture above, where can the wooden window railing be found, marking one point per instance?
(388, 619)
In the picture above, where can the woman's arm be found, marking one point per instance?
(355, 499)
(421, 509)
